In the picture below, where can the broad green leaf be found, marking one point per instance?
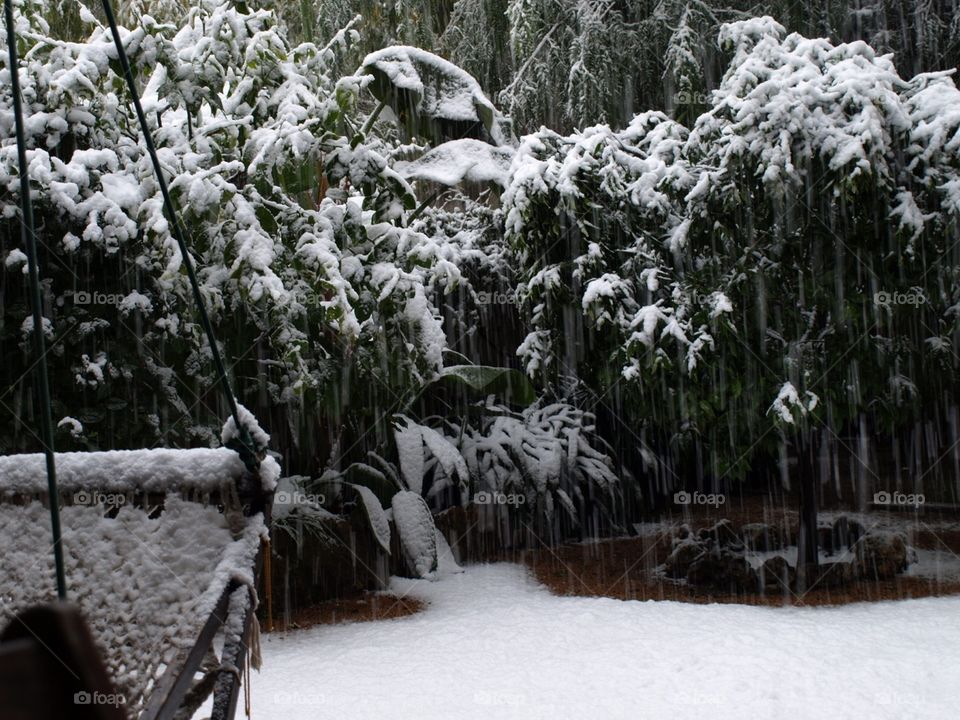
(511, 385)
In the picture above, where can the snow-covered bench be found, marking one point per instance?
(161, 549)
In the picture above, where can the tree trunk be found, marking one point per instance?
(807, 542)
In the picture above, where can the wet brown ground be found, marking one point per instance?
(367, 607)
(625, 568)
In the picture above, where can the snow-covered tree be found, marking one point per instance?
(815, 194)
(766, 278)
(581, 50)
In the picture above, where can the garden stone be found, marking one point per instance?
(847, 532)
(723, 570)
(836, 574)
(880, 556)
(684, 554)
(723, 534)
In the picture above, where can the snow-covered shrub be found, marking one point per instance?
(548, 458)
(550, 455)
(296, 223)
(585, 217)
(386, 491)
(595, 222)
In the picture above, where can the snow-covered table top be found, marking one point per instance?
(122, 471)
(145, 585)
(146, 580)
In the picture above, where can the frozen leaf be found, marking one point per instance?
(417, 532)
(460, 161)
(375, 515)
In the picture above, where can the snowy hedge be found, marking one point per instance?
(296, 220)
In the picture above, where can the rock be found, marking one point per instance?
(723, 534)
(761, 537)
(880, 556)
(723, 570)
(683, 555)
(741, 575)
(707, 571)
(776, 574)
(912, 557)
(836, 574)
(846, 532)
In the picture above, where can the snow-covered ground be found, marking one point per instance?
(495, 644)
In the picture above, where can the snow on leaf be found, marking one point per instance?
(719, 304)
(426, 88)
(229, 433)
(71, 425)
(376, 516)
(446, 453)
(567, 504)
(409, 439)
(446, 562)
(16, 258)
(417, 532)
(677, 239)
(789, 408)
(458, 161)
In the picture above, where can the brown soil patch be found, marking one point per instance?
(937, 540)
(624, 569)
(368, 607)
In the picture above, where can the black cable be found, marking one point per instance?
(247, 450)
(36, 299)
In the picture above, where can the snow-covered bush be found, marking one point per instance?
(585, 216)
(546, 462)
(388, 491)
(595, 221)
(296, 222)
(550, 454)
